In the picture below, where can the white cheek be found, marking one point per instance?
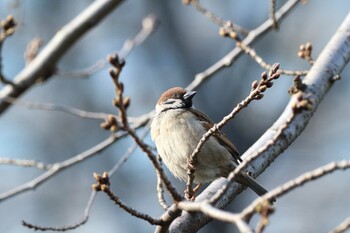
(158, 109)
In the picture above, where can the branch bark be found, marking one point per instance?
(43, 66)
(286, 129)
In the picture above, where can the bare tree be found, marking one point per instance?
(178, 212)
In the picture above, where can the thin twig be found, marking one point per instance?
(2, 77)
(103, 184)
(297, 182)
(66, 228)
(253, 36)
(56, 107)
(217, 20)
(135, 122)
(92, 195)
(160, 193)
(25, 163)
(85, 72)
(215, 198)
(227, 32)
(172, 190)
(128, 153)
(160, 189)
(229, 27)
(342, 227)
(251, 52)
(58, 167)
(273, 14)
(265, 211)
(149, 25)
(132, 211)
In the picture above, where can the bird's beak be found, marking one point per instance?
(189, 95)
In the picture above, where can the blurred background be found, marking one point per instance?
(185, 44)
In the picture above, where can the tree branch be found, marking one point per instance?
(58, 167)
(295, 183)
(217, 20)
(253, 35)
(209, 210)
(56, 107)
(103, 184)
(25, 163)
(44, 64)
(272, 14)
(149, 25)
(66, 228)
(344, 226)
(318, 81)
(89, 204)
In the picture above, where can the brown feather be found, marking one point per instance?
(218, 135)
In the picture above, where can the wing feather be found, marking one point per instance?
(219, 136)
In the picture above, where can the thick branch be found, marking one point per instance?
(43, 66)
(224, 216)
(330, 63)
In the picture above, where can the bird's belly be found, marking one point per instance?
(177, 141)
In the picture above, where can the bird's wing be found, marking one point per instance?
(219, 136)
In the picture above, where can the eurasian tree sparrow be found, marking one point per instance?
(177, 129)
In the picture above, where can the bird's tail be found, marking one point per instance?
(245, 179)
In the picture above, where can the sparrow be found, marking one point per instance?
(176, 130)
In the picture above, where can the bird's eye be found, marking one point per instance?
(177, 96)
(169, 101)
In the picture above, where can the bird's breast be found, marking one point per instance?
(176, 134)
